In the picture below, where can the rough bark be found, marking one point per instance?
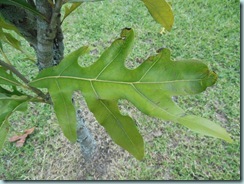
(84, 138)
(46, 37)
(23, 20)
(49, 35)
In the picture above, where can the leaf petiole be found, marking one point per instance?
(25, 80)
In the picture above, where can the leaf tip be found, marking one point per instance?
(126, 32)
(212, 78)
(228, 139)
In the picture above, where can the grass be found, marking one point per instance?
(207, 30)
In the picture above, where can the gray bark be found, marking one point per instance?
(85, 139)
(46, 37)
(49, 35)
(23, 20)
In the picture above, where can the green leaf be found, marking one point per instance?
(13, 41)
(149, 87)
(9, 105)
(2, 90)
(4, 129)
(7, 79)
(5, 92)
(161, 11)
(22, 4)
(8, 26)
(70, 9)
(204, 126)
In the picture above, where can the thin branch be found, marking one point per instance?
(25, 80)
(14, 70)
(56, 15)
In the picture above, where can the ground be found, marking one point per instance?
(208, 30)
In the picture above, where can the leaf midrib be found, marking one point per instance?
(117, 120)
(114, 82)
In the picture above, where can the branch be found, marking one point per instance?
(25, 80)
(49, 35)
(56, 15)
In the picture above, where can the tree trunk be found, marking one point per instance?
(46, 37)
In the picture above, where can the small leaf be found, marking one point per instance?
(70, 9)
(14, 138)
(30, 131)
(21, 138)
(161, 11)
(22, 4)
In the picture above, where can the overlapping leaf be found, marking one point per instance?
(9, 38)
(149, 87)
(9, 105)
(7, 79)
(70, 9)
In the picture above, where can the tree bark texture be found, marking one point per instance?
(46, 37)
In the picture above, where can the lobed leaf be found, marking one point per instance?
(149, 87)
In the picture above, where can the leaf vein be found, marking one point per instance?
(150, 101)
(112, 60)
(116, 119)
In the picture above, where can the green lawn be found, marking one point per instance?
(204, 29)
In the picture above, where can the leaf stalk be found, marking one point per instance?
(25, 80)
